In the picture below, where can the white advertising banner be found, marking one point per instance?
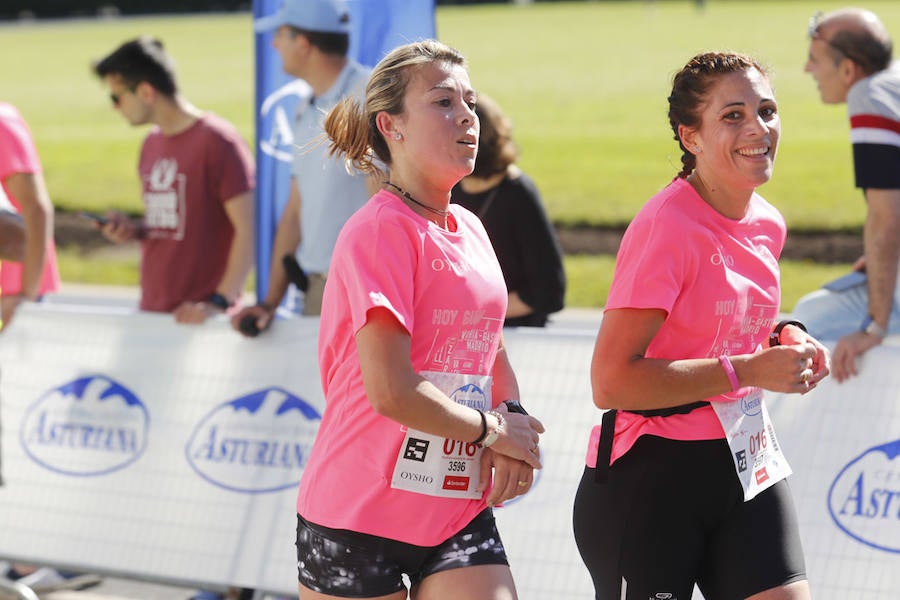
(843, 442)
(133, 446)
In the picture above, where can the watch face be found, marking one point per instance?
(870, 327)
(875, 329)
(491, 438)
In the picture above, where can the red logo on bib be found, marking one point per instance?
(455, 482)
(761, 475)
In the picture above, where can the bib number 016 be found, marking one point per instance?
(757, 442)
(458, 448)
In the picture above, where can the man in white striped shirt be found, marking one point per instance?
(850, 59)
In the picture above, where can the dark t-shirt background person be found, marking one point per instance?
(508, 203)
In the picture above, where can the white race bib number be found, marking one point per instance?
(437, 466)
(754, 448)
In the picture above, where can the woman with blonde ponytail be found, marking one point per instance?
(422, 431)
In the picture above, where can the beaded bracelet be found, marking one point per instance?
(494, 434)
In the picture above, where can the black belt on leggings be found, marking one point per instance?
(608, 431)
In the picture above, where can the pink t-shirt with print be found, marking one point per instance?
(447, 290)
(718, 281)
(19, 155)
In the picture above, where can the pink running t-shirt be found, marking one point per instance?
(19, 155)
(718, 281)
(447, 290)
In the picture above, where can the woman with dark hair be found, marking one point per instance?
(685, 483)
(508, 203)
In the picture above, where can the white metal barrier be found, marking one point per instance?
(135, 447)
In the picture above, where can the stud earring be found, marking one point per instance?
(399, 136)
(697, 149)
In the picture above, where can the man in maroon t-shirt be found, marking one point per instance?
(197, 179)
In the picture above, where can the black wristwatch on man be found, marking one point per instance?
(219, 301)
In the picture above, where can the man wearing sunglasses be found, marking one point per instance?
(197, 178)
(850, 59)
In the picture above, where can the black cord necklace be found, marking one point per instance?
(406, 195)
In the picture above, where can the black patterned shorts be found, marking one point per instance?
(345, 563)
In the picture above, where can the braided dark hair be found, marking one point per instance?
(689, 88)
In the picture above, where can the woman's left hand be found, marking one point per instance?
(512, 477)
(820, 365)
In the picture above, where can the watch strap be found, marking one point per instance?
(514, 406)
(219, 301)
(775, 336)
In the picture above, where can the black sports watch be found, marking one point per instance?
(513, 406)
(775, 336)
(219, 301)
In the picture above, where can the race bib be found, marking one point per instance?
(437, 466)
(754, 448)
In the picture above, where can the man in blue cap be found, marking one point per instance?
(312, 38)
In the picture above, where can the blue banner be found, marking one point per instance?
(377, 27)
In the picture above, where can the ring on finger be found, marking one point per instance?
(522, 483)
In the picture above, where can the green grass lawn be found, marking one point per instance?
(585, 83)
(590, 277)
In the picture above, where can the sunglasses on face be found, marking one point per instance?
(116, 97)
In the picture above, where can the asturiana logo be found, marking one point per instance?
(751, 404)
(470, 395)
(256, 443)
(90, 426)
(864, 500)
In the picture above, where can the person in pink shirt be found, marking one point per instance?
(23, 185)
(418, 439)
(684, 482)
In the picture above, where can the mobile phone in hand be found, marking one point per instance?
(98, 219)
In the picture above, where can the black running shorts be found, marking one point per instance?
(348, 564)
(672, 514)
